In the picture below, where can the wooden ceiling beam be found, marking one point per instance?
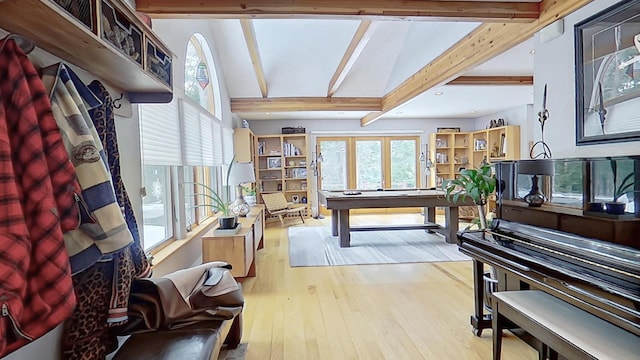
(288, 104)
(485, 11)
(252, 46)
(354, 50)
(492, 80)
(482, 44)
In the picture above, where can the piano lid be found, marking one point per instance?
(596, 252)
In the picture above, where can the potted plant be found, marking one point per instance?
(228, 220)
(249, 195)
(625, 187)
(478, 184)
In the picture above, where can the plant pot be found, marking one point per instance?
(250, 199)
(616, 208)
(228, 222)
(596, 207)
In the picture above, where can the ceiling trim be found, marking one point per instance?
(482, 44)
(354, 50)
(288, 104)
(252, 46)
(492, 80)
(485, 11)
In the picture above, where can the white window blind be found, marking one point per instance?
(227, 144)
(191, 134)
(218, 159)
(160, 134)
(198, 135)
(206, 137)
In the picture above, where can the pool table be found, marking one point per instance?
(340, 202)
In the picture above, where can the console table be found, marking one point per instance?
(237, 249)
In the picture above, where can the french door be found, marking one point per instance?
(368, 163)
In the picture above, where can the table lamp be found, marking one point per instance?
(535, 197)
(241, 173)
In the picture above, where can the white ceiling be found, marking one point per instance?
(300, 56)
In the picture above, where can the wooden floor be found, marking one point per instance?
(402, 311)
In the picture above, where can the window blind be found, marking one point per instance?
(198, 136)
(191, 134)
(160, 134)
(218, 159)
(206, 138)
(227, 144)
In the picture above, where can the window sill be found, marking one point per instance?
(165, 252)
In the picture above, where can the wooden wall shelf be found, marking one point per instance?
(55, 30)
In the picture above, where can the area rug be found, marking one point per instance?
(239, 353)
(315, 246)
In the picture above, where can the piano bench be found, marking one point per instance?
(563, 328)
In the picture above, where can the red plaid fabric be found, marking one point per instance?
(36, 190)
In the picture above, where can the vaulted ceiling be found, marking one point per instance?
(372, 60)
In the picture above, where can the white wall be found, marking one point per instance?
(554, 65)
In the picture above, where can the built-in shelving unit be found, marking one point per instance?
(103, 37)
(451, 152)
(282, 165)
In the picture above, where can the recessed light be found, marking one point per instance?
(267, 113)
(472, 112)
(438, 93)
(533, 51)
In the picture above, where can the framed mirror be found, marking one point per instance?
(608, 75)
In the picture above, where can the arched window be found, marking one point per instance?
(200, 78)
(200, 85)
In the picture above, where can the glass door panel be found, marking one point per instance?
(334, 166)
(369, 164)
(403, 163)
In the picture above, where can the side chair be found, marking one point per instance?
(277, 204)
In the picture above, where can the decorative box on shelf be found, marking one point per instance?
(83, 10)
(158, 62)
(120, 32)
(294, 130)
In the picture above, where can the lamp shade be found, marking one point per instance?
(535, 167)
(242, 173)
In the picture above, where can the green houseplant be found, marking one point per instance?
(249, 195)
(228, 219)
(477, 184)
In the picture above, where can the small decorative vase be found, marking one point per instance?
(616, 208)
(534, 198)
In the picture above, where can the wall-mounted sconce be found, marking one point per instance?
(315, 161)
(426, 159)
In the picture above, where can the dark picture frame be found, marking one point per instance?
(607, 64)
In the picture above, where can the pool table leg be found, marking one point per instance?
(344, 234)
(334, 222)
(451, 224)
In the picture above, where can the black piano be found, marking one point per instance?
(589, 260)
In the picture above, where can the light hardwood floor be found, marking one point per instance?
(401, 311)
